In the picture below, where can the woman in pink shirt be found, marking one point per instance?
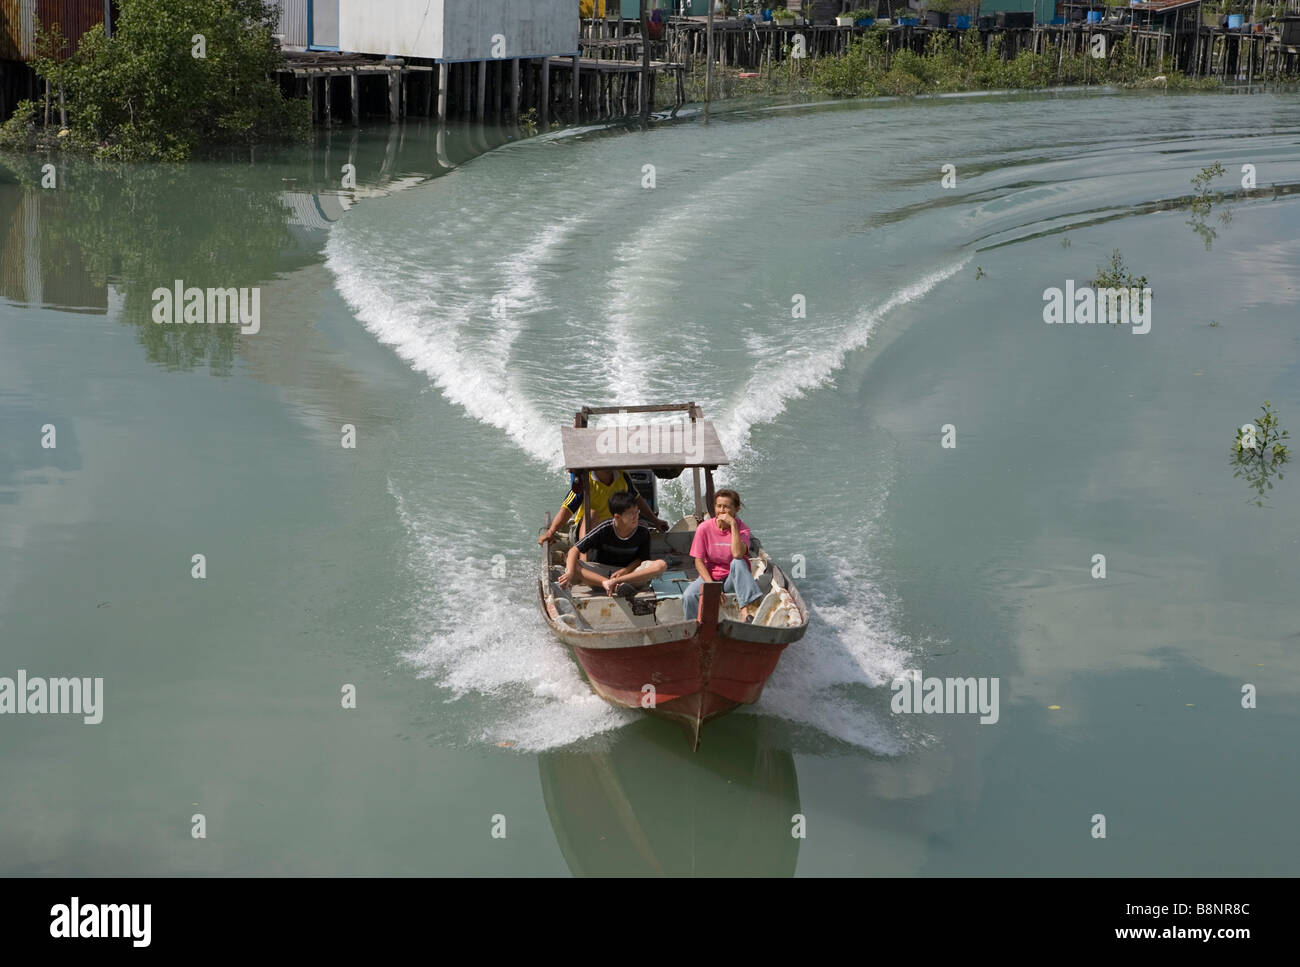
(721, 552)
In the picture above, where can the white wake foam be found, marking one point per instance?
(525, 686)
(476, 637)
(434, 323)
(772, 386)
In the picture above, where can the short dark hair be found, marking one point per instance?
(729, 494)
(619, 502)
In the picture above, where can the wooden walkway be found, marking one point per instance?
(1198, 51)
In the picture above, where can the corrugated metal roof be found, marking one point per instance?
(19, 20)
(74, 18)
(1163, 6)
(293, 22)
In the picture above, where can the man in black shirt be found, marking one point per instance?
(618, 551)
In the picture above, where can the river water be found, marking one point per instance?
(456, 307)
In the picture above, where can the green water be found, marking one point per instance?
(457, 306)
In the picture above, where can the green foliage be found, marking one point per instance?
(1117, 275)
(1268, 437)
(1252, 464)
(144, 94)
(1201, 182)
(1203, 201)
(20, 130)
(866, 68)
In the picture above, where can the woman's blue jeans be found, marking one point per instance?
(739, 582)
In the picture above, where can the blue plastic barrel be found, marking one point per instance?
(963, 21)
(1094, 16)
(1234, 21)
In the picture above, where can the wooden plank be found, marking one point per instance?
(645, 408)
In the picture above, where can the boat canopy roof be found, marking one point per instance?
(691, 443)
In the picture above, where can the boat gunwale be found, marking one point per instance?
(636, 637)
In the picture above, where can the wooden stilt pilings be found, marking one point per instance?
(514, 91)
(482, 91)
(1196, 50)
(545, 100)
(601, 82)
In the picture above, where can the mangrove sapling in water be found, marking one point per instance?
(1204, 198)
(1117, 275)
(1259, 453)
(1265, 435)
(1203, 201)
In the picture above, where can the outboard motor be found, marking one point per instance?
(644, 482)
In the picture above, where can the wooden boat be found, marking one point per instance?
(643, 652)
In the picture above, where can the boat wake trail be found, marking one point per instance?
(767, 392)
(462, 337)
(515, 325)
(472, 639)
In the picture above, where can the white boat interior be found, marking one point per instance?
(659, 602)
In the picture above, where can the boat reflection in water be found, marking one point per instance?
(645, 803)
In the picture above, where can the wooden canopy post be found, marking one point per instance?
(708, 490)
(580, 421)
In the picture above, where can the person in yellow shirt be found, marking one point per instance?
(602, 484)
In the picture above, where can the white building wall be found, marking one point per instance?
(459, 29)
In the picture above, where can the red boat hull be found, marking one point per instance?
(694, 679)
